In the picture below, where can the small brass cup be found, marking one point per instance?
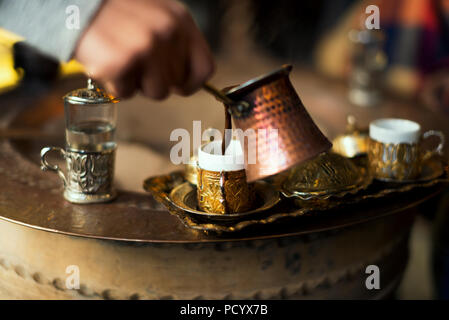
(222, 186)
(224, 192)
(395, 149)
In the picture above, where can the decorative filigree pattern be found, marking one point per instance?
(394, 161)
(224, 192)
(90, 172)
(328, 176)
(329, 173)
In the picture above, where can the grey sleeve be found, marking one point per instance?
(48, 25)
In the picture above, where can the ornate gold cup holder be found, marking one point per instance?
(431, 169)
(178, 197)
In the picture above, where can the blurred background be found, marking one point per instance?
(340, 68)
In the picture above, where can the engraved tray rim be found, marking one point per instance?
(157, 190)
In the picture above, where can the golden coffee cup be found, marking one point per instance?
(222, 186)
(395, 149)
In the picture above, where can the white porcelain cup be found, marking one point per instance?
(395, 131)
(395, 151)
(210, 157)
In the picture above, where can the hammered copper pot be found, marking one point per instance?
(274, 104)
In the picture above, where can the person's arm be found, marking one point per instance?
(151, 45)
(48, 25)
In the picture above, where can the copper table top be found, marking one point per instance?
(32, 198)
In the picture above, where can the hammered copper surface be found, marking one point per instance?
(275, 105)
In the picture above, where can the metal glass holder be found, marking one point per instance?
(90, 117)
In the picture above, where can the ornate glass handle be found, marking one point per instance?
(45, 165)
(439, 149)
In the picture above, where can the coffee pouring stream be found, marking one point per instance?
(240, 105)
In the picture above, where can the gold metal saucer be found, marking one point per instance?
(184, 197)
(329, 175)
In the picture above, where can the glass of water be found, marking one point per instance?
(90, 119)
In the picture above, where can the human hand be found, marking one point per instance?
(152, 45)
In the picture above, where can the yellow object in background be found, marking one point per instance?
(71, 67)
(10, 77)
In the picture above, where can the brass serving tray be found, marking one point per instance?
(161, 186)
